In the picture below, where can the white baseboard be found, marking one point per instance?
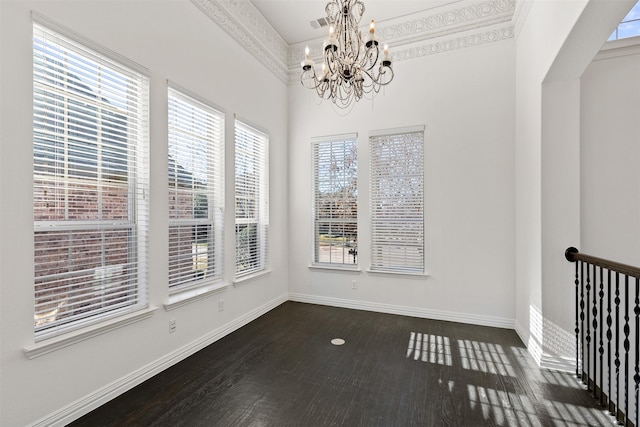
(524, 336)
(101, 396)
(498, 322)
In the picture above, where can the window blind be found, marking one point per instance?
(196, 192)
(335, 181)
(252, 198)
(396, 201)
(90, 136)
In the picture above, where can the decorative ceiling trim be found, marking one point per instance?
(520, 15)
(439, 46)
(455, 43)
(244, 23)
(472, 17)
(410, 37)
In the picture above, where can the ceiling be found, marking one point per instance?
(291, 18)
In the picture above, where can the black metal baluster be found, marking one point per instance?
(601, 349)
(617, 362)
(609, 336)
(577, 330)
(594, 310)
(626, 349)
(582, 318)
(588, 338)
(636, 311)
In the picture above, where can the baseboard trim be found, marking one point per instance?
(520, 331)
(101, 396)
(497, 322)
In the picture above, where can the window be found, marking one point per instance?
(252, 199)
(196, 192)
(629, 26)
(335, 180)
(90, 136)
(397, 187)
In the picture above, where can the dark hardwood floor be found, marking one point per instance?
(282, 370)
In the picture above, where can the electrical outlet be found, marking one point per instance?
(353, 285)
(172, 326)
(221, 305)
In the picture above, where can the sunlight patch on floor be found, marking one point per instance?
(429, 348)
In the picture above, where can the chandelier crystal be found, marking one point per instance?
(351, 67)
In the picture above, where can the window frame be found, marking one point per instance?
(389, 219)
(254, 156)
(213, 191)
(347, 142)
(631, 19)
(90, 119)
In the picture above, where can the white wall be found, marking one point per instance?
(609, 155)
(465, 98)
(546, 27)
(173, 40)
(557, 42)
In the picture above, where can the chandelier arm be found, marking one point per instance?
(368, 57)
(330, 60)
(386, 69)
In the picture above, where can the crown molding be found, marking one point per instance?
(520, 15)
(427, 25)
(467, 26)
(618, 48)
(413, 36)
(432, 47)
(244, 23)
(454, 43)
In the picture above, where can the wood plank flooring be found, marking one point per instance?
(282, 370)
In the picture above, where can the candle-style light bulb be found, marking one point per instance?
(372, 37)
(331, 44)
(386, 61)
(323, 77)
(307, 64)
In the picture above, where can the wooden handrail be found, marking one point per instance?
(572, 254)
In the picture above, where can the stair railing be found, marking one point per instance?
(607, 353)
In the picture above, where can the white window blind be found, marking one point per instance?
(90, 137)
(252, 198)
(196, 192)
(396, 197)
(335, 180)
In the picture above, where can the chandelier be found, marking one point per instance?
(351, 67)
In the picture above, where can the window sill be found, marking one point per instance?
(250, 278)
(56, 343)
(335, 268)
(399, 273)
(188, 296)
